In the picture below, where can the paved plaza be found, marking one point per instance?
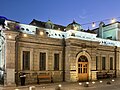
(105, 84)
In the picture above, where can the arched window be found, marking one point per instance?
(83, 59)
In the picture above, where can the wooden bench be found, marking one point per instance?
(43, 78)
(110, 75)
(101, 75)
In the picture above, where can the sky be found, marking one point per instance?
(61, 12)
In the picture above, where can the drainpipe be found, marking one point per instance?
(115, 50)
(16, 59)
(63, 54)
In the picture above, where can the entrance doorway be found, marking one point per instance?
(83, 70)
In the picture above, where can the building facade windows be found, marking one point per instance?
(103, 63)
(42, 61)
(56, 61)
(65, 54)
(26, 60)
(111, 63)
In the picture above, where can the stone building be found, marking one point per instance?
(63, 53)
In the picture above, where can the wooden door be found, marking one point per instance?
(83, 70)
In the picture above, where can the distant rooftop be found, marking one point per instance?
(42, 24)
(2, 17)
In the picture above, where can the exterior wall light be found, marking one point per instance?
(75, 28)
(41, 33)
(24, 35)
(9, 36)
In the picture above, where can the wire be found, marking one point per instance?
(99, 21)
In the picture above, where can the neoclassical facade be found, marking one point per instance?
(65, 53)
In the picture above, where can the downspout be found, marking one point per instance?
(63, 54)
(16, 59)
(115, 50)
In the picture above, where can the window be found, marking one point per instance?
(96, 62)
(26, 60)
(56, 61)
(103, 63)
(27, 29)
(42, 63)
(111, 63)
(22, 29)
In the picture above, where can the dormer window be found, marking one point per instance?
(27, 29)
(49, 25)
(22, 29)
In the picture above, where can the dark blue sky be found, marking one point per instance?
(60, 11)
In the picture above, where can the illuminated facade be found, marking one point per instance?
(68, 53)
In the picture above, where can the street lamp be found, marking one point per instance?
(113, 20)
(93, 24)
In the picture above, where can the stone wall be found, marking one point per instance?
(74, 47)
(9, 76)
(35, 46)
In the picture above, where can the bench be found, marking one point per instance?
(43, 78)
(110, 75)
(101, 75)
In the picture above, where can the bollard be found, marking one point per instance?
(113, 80)
(58, 87)
(32, 88)
(101, 81)
(108, 82)
(80, 83)
(86, 84)
(93, 82)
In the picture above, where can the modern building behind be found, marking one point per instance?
(65, 53)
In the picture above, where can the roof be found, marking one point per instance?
(74, 26)
(42, 24)
(106, 25)
(56, 26)
(2, 17)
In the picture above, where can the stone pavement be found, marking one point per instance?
(104, 84)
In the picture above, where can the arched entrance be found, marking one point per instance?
(83, 68)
